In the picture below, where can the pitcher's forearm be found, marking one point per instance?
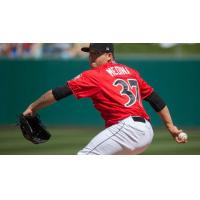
(45, 100)
(166, 117)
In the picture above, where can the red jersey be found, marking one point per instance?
(116, 90)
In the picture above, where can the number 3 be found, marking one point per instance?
(126, 90)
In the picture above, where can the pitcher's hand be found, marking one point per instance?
(175, 132)
(28, 112)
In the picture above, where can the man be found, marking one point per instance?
(117, 92)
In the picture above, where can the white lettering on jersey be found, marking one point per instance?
(114, 71)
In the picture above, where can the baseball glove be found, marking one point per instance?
(33, 129)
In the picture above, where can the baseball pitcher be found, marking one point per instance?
(117, 92)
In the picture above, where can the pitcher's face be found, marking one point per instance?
(97, 58)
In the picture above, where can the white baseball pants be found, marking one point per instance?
(128, 137)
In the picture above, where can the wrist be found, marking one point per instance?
(169, 125)
(32, 108)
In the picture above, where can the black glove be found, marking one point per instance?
(33, 130)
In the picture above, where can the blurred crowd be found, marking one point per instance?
(72, 50)
(41, 50)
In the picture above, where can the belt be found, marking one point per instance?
(138, 119)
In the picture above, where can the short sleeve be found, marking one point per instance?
(84, 85)
(145, 88)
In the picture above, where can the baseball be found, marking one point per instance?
(182, 136)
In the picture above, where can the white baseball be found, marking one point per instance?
(183, 136)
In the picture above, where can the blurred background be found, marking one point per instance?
(29, 69)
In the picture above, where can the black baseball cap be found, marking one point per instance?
(103, 47)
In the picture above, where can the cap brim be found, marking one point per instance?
(85, 49)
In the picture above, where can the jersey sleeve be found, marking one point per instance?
(84, 85)
(145, 88)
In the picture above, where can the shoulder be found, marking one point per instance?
(88, 72)
(91, 74)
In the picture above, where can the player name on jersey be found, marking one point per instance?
(114, 71)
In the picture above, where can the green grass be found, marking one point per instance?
(68, 141)
(163, 144)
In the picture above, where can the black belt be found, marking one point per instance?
(138, 119)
